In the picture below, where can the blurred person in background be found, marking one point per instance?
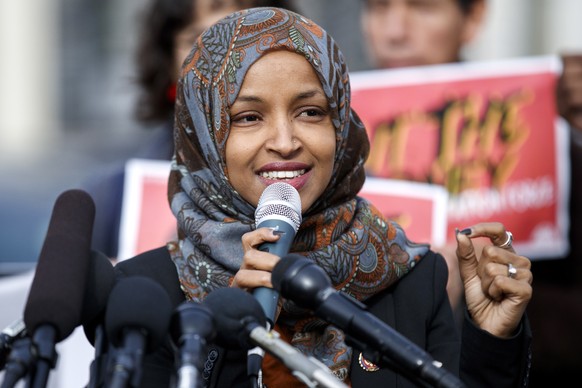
(402, 33)
(168, 29)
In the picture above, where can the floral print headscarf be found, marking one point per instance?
(362, 252)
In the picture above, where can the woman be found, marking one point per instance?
(264, 96)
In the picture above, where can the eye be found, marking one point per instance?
(246, 118)
(313, 113)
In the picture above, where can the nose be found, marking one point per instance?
(282, 138)
(395, 23)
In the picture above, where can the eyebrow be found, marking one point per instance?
(300, 96)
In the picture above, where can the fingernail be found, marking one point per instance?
(466, 231)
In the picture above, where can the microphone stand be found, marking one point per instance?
(43, 341)
(127, 362)
(254, 366)
(7, 337)
(97, 365)
(18, 362)
(188, 374)
(255, 358)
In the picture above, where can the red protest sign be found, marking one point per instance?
(486, 132)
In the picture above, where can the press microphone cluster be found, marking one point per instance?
(125, 319)
(302, 281)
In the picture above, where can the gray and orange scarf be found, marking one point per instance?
(361, 251)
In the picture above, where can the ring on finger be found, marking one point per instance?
(509, 240)
(511, 270)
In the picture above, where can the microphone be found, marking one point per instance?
(240, 323)
(100, 281)
(8, 336)
(136, 321)
(307, 284)
(279, 208)
(191, 326)
(54, 304)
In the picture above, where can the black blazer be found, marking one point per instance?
(417, 306)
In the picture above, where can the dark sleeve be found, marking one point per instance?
(443, 338)
(489, 361)
(157, 265)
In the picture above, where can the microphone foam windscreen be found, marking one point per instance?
(300, 280)
(233, 309)
(279, 200)
(100, 280)
(138, 302)
(57, 290)
(282, 268)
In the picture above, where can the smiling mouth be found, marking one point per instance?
(282, 174)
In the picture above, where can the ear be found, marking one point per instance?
(474, 21)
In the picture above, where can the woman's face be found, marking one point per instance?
(281, 130)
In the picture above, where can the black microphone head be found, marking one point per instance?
(56, 293)
(233, 310)
(192, 318)
(300, 280)
(100, 281)
(138, 302)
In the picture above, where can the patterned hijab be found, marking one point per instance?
(361, 251)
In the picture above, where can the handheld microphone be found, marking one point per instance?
(8, 336)
(136, 321)
(307, 284)
(192, 325)
(279, 208)
(241, 323)
(54, 304)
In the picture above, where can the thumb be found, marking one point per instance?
(466, 256)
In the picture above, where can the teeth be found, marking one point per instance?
(282, 174)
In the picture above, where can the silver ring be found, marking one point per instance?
(511, 270)
(509, 240)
